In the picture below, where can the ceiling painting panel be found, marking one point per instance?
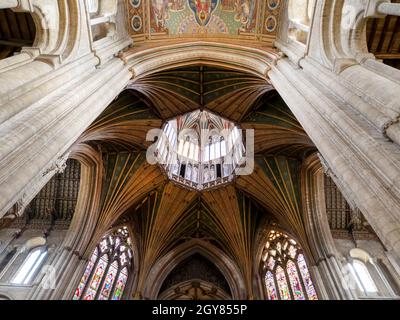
(236, 19)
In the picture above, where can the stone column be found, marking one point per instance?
(350, 147)
(351, 111)
(48, 101)
(327, 271)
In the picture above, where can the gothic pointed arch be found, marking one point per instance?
(226, 266)
(285, 270)
(108, 269)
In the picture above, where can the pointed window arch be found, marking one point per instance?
(31, 266)
(107, 271)
(286, 272)
(364, 279)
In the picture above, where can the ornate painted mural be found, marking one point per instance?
(175, 18)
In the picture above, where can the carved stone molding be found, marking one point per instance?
(15, 212)
(58, 166)
(325, 166)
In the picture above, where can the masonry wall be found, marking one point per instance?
(9, 241)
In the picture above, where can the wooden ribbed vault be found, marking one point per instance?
(185, 89)
(163, 214)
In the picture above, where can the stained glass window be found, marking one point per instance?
(312, 295)
(295, 281)
(85, 277)
(286, 272)
(270, 284)
(282, 284)
(121, 283)
(107, 271)
(109, 281)
(96, 279)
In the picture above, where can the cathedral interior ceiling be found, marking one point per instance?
(170, 213)
(163, 214)
(225, 92)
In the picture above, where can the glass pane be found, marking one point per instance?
(212, 152)
(212, 173)
(230, 143)
(192, 151)
(270, 284)
(188, 174)
(109, 281)
(180, 147)
(207, 153)
(96, 279)
(282, 284)
(294, 281)
(196, 153)
(312, 295)
(103, 245)
(29, 265)
(292, 251)
(227, 169)
(86, 274)
(353, 273)
(186, 149)
(365, 277)
(271, 263)
(120, 286)
(223, 148)
(35, 267)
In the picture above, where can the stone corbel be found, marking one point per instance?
(342, 64)
(59, 165)
(32, 51)
(15, 212)
(54, 60)
(20, 206)
(355, 218)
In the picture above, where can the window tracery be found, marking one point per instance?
(107, 271)
(286, 273)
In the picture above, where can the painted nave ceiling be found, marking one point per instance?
(166, 19)
(200, 228)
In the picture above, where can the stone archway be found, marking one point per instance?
(166, 264)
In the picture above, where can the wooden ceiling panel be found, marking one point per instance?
(228, 93)
(383, 38)
(17, 30)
